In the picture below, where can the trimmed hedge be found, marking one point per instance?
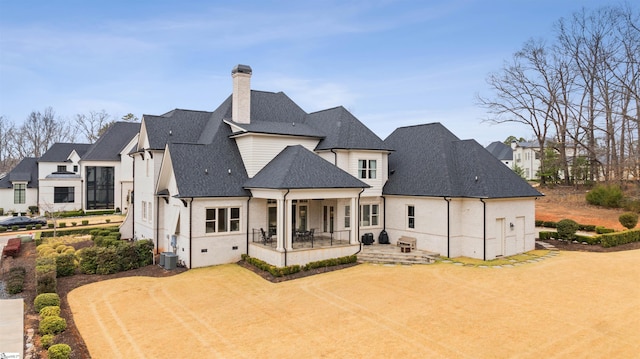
(15, 280)
(120, 256)
(52, 325)
(65, 264)
(628, 220)
(604, 230)
(618, 238)
(59, 351)
(47, 340)
(72, 231)
(46, 274)
(543, 235)
(46, 300)
(567, 229)
(50, 311)
(282, 271)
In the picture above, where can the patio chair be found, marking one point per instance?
(265, 238)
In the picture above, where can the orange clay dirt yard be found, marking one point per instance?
(569, 304)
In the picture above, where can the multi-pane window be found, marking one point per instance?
(62, 168)
(75, 168)
(369, 215)
(367, 169)
(19, 193)
(347, 216)
(64, 194)
(222, 220)
(411, 217)
(144, 210)
(100, 187)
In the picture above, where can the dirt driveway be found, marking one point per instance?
(573, 305)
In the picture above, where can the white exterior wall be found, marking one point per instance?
(146, 174)
(525, 158)
(258, 150)
(213, 248)
(6, 200)
(466, 225)
(351, 161)
(46, 189)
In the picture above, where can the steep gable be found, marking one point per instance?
(25, 171)
(59, 152)
(342, 130)
(112, 142)
(500, 151)
(178, 126)
(296, 168)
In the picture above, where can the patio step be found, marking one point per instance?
(391, 254)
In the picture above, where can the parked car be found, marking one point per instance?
(22, 221)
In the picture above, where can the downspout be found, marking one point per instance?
(448, 226)
(335, 157)
(248, 211)
(358, 223)
(484, 229)
(157, 222)
(190, 229)
(284, 226)
(384, 213)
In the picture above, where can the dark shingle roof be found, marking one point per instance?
(112, 142)
(344, 131)
(25, 171)
(59, 152)
(211, 170)
(296, 167)
(500, 151)
(178, 126)
(431, 161)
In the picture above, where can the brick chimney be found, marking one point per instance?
(241, 107)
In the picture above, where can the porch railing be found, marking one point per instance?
(304, 239)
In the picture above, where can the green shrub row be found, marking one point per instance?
(15, 280)
(282, 271)
(551, 224)
(47, 340)
(74, 231)
(604, 230)
(121, 257)
(618, 238)
(544, 235)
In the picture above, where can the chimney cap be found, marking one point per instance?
(243, 69)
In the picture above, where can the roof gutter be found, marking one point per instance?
(335, 157)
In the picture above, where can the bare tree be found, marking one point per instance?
(39, 132)
(8, 158)
(90, 125)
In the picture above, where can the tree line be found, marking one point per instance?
(579, 93)
(40, 130)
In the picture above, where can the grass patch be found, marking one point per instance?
(522, 257)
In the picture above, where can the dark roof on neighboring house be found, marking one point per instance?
(211, 170)
(59, 152)
(25, 171)
(112, 142)
(500, 151)
(429, 160)
(296, 168)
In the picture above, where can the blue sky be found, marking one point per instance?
(391, 63)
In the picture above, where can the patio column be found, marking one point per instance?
(289, 223)
(355, 219)
(280, 231)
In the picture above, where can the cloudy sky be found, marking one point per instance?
(391, 63)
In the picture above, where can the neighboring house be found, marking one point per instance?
(60, 180)
(526, 155)
(502, 152)
(107, 168)
(207, 182)
(19, 188)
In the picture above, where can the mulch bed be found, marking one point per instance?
(72, 337)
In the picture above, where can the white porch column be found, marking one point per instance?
(280, 231)
(355, 221)
(289, 220)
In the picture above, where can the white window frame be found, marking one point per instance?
(19, 193)
(371, 216)
(144, 210)
(231, 224)
(347, 216)
(367, 169)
